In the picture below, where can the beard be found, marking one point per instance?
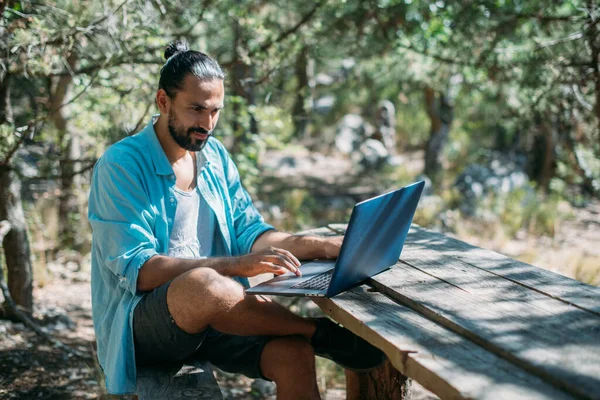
(183, 137)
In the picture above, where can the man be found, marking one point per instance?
(175, 237)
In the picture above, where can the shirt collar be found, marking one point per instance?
(162, 166)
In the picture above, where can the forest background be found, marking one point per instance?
(496, 103)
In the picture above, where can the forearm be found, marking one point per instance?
(303, 247)
(161, 269)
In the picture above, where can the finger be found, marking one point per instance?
(276, 269)
(283, 261)
(289, 255)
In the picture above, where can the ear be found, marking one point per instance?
(163, 101)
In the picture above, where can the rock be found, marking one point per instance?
(323, 105)
(386, 125)
(287, 161)
(350, 132)
(347, 65)
(428, 188)
(55, 319)
(265, 388)
(324, 79)
(338, 202)
(501, 175)
(373, 153)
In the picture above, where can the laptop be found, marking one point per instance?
(373, 243)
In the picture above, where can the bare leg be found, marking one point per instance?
(203, 297)
(290, 363)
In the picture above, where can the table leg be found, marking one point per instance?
(383, 383)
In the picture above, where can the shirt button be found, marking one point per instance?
(172, 200)
(169, 220)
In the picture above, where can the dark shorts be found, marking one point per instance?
(158, 339)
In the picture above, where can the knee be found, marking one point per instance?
(208, 285)
(283, 354)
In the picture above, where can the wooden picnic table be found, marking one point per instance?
(465, 322)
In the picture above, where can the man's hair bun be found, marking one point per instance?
(175, 47)
(181, 62)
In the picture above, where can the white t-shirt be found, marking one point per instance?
(193, 228)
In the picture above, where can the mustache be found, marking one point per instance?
(198, 130)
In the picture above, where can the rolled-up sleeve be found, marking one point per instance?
(121, 220)
(248, 222)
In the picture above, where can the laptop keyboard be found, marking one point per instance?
(317, 282)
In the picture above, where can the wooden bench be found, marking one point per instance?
(190, 380)
(470, 323)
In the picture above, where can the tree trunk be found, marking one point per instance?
(544, 156)
(594, 44)
(70, 184)
(71, 150)
(16, 242)
(440, 112)
(3, 4)
(299, 111)
(383, 383)
(575, 162)
(243, 88)
(5, 107)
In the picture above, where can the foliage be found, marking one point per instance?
(510, 68)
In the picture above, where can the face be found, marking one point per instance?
(194, 112)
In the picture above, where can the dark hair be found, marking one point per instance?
(180, 62)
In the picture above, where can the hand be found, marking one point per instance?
(268, 260)
(332, 246)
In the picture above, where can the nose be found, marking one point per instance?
(207, 121)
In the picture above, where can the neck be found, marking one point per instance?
(173, 151)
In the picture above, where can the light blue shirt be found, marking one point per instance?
(132, 207)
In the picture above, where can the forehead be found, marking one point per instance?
(200, 91)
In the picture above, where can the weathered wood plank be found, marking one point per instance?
(192, 380)
(442, 361)
(563, 288)
(558, 342)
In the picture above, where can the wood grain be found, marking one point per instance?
(558, 342)
(442, 361)
(565, 289)
(543, 322)
(381, 383)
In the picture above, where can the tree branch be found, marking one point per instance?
(116, 62)
(285, 34)
(24, 133)
(70, 175)
(572, 37)
(141, 120)
(70, 101)
(76, 31)
(545, 18)
(436, 57)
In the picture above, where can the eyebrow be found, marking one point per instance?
(203, 107)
